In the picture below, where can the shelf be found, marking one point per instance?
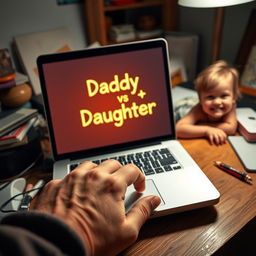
(97, 12)
(134, 5)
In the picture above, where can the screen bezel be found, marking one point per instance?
(93, 52)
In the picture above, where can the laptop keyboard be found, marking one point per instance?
(150, 162)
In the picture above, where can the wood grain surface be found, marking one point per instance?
(202, 231)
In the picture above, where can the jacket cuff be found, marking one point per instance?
(50, 228)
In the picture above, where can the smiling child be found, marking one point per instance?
(214, 117)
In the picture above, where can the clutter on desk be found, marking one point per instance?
(247, 123)
(245, 145)
(21, 158)
(17, 135)
(13, 118)
(122, 33)
(14, 90)
(7, 72)
(9, 190)
(245, 150)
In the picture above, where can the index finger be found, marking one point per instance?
(131, 174)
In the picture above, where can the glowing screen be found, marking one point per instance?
(107, 100)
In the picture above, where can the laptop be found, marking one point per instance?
(115, 102)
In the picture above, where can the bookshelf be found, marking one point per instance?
(97, 12)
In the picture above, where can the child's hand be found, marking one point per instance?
(216, 135)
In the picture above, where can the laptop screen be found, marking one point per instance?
(106, 97)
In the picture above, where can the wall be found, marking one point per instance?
(201, 20)
(27, 16)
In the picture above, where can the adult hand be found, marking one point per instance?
(216, 135)
(91, 201)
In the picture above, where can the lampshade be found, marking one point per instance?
(211, 3)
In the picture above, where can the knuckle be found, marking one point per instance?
(133, 168)
(87, 164)
(112, 184)
(74, 174)
(114, 163)
(94, 174)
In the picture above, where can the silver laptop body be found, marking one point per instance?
(115, 102)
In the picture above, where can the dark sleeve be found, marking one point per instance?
(35, 233)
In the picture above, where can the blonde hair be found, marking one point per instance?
(210, 77)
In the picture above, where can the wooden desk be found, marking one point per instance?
(202, 231)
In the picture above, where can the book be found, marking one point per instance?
(122, 33)
(21, 78)
(17, 134)
(10, 120)
(122, 2)
(246, 118)
(24, 141)
(8, 84)
(30, 46)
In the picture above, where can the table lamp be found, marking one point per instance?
(219, 16)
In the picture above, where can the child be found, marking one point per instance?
(214, 116)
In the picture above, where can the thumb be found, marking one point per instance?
(142, 210)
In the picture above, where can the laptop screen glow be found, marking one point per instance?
(108, 99)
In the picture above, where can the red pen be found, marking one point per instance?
(240, 175)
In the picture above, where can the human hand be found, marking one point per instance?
(91, 201)
(216, 135)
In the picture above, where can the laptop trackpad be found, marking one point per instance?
(132, 195)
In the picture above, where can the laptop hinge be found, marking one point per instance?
(101, 152)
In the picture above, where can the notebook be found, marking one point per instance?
(115, 102)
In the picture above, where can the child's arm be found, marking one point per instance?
(188, 127)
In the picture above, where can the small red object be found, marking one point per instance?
(123, 2)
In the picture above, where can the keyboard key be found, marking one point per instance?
(72, 167)
(167, 161)
(167, 168)
(150, 162)
(155, 164)
(159, 170)
(148, 171)
(164, 151)
(138, 163)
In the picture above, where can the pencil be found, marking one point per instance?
(240, 175)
